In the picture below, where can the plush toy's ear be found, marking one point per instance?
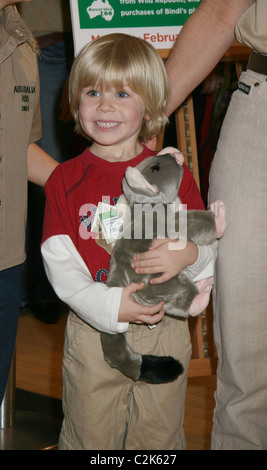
(139, 184)
(178, 156)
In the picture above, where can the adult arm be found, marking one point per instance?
(203, 40)
(40, 165)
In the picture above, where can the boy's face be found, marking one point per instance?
(111, 118)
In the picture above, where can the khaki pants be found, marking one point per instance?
(239, 178)
(106, 410)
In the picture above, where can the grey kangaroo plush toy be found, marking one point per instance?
(154, 183)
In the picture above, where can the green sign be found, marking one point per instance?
(132, 13)
(157, 21)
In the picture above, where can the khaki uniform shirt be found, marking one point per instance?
(251, 29)
(46, 16)
(20, 125)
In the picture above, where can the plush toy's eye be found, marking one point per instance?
(155, 168)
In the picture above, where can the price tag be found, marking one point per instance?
(107, 222)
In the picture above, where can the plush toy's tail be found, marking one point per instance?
(160, 369)
(152, 369)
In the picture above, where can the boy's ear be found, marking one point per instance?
(147, 116)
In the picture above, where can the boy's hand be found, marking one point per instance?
(132, 312)
(165, 256)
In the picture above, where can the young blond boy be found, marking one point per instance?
(118, 95)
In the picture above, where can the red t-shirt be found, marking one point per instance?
(73, 192)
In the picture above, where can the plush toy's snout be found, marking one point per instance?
(156, 179)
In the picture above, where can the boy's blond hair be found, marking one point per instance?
(118, 59)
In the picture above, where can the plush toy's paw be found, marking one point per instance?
(218, 208)
(160, 369)
(201, 301)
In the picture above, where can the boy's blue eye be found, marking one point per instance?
(122, 94)
(93, 93)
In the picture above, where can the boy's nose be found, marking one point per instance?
(106, 103)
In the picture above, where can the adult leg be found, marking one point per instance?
(239, 178)
(10, 283)
(54, 65)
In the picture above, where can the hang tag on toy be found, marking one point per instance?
(107, 222)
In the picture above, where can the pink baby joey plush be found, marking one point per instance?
(204, 286)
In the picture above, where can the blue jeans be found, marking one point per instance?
(10, 281)
(54, 66)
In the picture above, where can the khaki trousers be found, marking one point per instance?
(105, 410)
(239, 178)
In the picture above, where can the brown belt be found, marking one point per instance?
(257, 63)
(46, 41)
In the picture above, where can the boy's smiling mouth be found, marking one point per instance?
(107, 124)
